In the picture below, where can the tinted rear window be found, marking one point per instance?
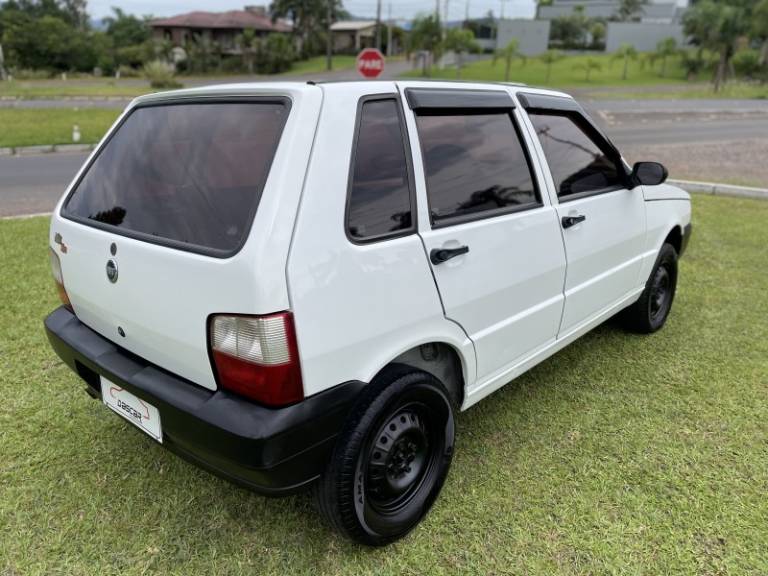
(184, 173)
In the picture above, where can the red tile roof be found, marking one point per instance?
(234, 19)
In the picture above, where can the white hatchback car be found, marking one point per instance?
(299, 284)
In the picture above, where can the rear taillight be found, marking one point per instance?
(257, 356)
(58, 277)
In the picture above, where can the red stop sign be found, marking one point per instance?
(370, 62)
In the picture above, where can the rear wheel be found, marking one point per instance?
(391, 459)
(651, 310)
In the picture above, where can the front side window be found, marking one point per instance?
(379, 195)
(475, 164)
(191, 174)
(577, 163)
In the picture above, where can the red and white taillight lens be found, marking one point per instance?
(58, 277)
(257, 356)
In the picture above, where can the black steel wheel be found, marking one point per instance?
(651, 310)
(392, 458)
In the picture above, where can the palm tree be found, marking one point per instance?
(625, 52)
(588, 66)
(426, 35)
(509, 53)
(460, 41)
(664, 49)
(550, 57)
(717, 27)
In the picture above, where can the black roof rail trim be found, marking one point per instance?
(441, 98)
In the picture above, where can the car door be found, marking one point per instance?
(492, 238)
(601, 215)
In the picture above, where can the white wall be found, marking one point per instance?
(643, 36)
(533, 35)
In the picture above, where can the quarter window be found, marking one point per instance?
(577, 163)
(475, 164)
(380, 199)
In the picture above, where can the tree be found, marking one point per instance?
(626, 52)
(597, 31)
(460, 40)
(717, 26)
(589, 65)
(509, 53)
(664, 50)
(310, 21)
(126, 29)
(426, 34)
(549, 58)
(277, 54)
(249, 46)
(570, 31)
(760, 28)
(629, 10)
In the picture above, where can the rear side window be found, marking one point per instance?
(379, 196)
(475, 164)
(577, 163)
(189, 175)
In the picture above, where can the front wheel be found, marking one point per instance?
(651, 310)
(391, 459)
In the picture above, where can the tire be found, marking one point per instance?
(391, 458)
(651, 310)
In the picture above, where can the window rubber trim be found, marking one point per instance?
(168, 242)
(395, 97)
(457, 219)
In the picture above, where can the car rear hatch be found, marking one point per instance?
(186, 210)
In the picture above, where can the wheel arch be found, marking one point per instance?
(442, 359)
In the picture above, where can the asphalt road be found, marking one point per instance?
(33, 184)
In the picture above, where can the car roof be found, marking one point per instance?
(370, 86)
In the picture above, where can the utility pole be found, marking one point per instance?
(437, 9)
(329, 36)
(501, 17)
(378, 24)
(389, 29)
(466, 11)
(445, 12)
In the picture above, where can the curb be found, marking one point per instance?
(47, 149)
(717, 189)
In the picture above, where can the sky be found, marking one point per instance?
(363, 8)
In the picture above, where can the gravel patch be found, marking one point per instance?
(741, 162)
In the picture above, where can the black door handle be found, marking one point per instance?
(569, 221)
(440, 255)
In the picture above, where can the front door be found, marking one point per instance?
(602, 220)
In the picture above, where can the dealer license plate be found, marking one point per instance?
(138, 412)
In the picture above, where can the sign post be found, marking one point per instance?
(370, 63)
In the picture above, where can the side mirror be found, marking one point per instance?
(649, 173)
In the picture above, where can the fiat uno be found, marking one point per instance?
(299, 285)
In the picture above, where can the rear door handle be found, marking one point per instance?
(440, 255)
(569, 221)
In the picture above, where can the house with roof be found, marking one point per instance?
(351, 36)
(220, 28)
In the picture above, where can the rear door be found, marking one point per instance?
(493, 239)
(169, 204)
(602, 219)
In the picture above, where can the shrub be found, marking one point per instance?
(747, 63)
(276, 54)
(160, 75)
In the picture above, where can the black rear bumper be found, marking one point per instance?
(272, 451)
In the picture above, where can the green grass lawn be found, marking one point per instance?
(622, 454)
(41, 89)
(567, 73)
(316, 64)
(33, 126)
(698, 90)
